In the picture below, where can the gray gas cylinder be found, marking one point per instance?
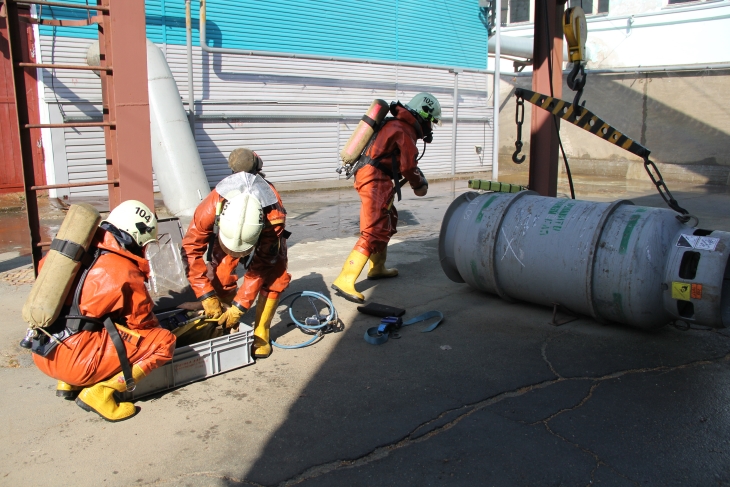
(615, 262)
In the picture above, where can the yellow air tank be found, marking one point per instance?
(364, 131)
(61, 265)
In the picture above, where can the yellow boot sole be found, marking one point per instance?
(348, 296)
(88, 408)
(384, 275)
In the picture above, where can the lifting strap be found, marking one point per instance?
(377, 335)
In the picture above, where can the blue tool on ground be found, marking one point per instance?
(316, 324)
(377, 335)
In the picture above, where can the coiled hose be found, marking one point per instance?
(317, 323)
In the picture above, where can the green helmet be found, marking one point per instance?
(427, 106)
(135, 218)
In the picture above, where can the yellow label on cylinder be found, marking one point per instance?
(681, 290)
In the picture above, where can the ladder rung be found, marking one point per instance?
(96, 19)
(66, 66)
(74, 185)
(73, 124)
(63, 4)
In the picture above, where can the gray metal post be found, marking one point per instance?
(191, 85)
(495, 92)
(454, 122)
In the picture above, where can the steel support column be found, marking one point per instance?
(543, 134)
(122, 44)
(454, 121)
(23, 85)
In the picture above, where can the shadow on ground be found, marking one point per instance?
(497, 396)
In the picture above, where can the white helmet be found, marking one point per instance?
(135, 218)
(427, 106)
(241, 222)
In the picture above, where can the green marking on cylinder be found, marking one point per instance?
(627, 233)
(480, 215)
(555, 208)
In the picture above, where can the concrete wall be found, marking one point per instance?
(682, 118)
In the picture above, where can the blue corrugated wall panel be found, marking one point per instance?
(446, 32)
(153, 9)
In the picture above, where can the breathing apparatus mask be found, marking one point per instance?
(424, 129)
(124, 239)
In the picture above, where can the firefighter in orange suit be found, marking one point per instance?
(242, 215)
(391, 154)
(87, 363)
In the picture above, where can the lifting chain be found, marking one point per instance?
(661, 186)
(519, 119)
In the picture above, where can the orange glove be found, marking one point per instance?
(212, 307)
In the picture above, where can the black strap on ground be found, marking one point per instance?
(111, 329)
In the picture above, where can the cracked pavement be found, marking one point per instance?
(513, 401)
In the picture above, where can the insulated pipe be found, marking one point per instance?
(244, 52)
(644, 69)
(454, 121)
(615, 262)
(520, 47)
(175, 156)
(191, 85)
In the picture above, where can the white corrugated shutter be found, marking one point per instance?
(295, 113)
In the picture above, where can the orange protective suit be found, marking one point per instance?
(378, 216)
(113, 287)
(267, 272)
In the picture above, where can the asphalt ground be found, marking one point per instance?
(494, 396)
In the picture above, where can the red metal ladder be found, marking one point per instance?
(125, 102)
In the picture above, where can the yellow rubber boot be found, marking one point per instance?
(345, 282)
(265, 310)
(99, 398)
(377, 266)
(67, 391)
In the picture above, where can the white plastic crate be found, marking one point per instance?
(198, 361)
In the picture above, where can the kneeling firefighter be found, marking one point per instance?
(390, 154)
(242, 217)
(106, 338)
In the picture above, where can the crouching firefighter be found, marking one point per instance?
(390, 154)
(105, 338)
(242, 218)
